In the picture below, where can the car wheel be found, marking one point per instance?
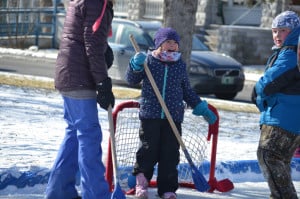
(226, 96)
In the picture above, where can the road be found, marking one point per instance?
(45, 67)
(27, 66)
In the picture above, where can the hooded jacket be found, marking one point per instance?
(80, 62)
(173, 83)
(278, 90)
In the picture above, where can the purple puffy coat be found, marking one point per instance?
(80, 62)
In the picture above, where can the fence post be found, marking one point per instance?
(37, 29)
(54, 21)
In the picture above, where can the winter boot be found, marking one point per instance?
(169, 195)
(141, 188)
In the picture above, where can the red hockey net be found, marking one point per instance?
(196, 134)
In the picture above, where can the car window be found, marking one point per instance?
(114, 28)
(122, 30)
(137, 33)
(198, 44)
(152, 32)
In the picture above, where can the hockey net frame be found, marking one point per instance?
(127, 123)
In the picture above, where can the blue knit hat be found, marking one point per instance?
(287, 19)
(164, 34)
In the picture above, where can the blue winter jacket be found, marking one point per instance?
(278, 90)
(173, 83)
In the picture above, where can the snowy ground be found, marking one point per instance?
(31, 128)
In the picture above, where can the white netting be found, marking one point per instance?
(194, 135)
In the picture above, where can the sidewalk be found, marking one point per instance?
(253, 72)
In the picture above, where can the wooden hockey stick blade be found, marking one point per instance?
(200, 182)
(118, 192)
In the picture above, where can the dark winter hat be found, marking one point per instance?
(164, 34)
(287, 19)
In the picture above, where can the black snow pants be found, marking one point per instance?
(158, 146)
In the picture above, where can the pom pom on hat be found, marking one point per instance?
(164, 34)
(287, 19)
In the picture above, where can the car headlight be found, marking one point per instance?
(198, 69)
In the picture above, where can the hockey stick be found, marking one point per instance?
(117, 193)
(200, 182)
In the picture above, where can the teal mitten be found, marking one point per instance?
(137, 61)
(202, 109)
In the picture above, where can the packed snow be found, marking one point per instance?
(32, 127)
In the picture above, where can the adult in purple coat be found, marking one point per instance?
(82, 79)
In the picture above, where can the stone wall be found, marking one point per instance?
(248, 45)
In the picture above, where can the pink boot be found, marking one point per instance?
(169, 195)
(141, 188)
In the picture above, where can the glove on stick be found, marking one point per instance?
(137, 61)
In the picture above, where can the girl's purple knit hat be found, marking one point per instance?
(164, 34)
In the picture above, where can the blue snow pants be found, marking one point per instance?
(80, 149)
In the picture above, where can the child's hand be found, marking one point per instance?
(202, 109)
(137, 61)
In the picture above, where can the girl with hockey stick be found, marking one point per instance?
(159, 144)
(278, 100)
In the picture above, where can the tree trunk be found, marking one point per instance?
(181, 15)
(270, 9)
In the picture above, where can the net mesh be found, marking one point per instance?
(194, 136)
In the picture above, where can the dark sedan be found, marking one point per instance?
(210, 72)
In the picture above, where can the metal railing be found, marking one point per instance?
(154, 9)
(121, 8)
(18, 24)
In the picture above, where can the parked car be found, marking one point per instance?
(209, 72)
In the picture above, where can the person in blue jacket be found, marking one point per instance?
(159, 144)
(278, 100)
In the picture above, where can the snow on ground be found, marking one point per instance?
(31, 129)
(33, 51)
(247, 190)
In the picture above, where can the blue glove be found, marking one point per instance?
(137, 61)
(202, 109)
